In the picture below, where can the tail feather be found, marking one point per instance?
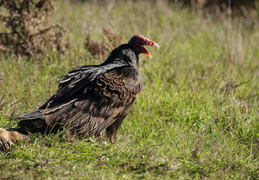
(30, 126)
(31, 115)
(32, 122)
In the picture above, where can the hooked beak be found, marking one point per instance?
(150, 43)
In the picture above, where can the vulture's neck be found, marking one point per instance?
(123, 54)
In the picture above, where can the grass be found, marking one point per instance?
(197, 117)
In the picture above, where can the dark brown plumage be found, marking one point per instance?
(91, 99)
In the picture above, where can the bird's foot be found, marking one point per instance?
(112, 138)
(99, 136)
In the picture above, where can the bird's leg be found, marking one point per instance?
(99, 136)
(8, 138)
(111, 132)
(112, 138)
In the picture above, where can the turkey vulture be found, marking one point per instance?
(89, 99)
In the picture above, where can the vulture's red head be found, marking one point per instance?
(138, 42)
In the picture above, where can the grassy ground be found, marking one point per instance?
(197, 117)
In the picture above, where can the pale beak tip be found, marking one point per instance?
(156, 45)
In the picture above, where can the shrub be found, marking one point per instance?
(111, 41)
(27, 28)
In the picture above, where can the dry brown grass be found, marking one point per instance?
(111, 41)
(28, 31)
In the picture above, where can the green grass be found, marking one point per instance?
(189, 122)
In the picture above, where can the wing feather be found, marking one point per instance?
(75, 80)
(99, 104)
